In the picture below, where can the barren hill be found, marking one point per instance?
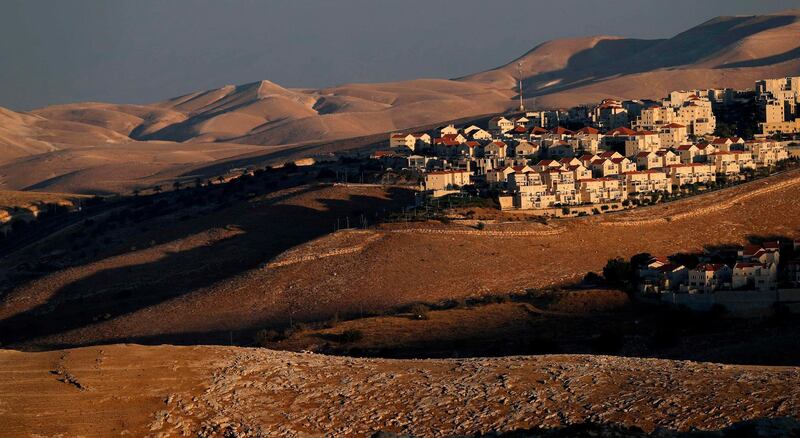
(272, 260)
(723, 52)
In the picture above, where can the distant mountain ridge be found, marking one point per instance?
(722, 52)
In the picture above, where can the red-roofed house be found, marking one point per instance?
(586, 159)
(642, 141)
(754, 276)
(445, 147)
(621, 131)
(611, 154)
(604, 167)
(672, 135)
(497, 149)
(526, 149)
(668, 158)
(410, 141)
(500, 124)
(624, 165)
(480, 134)
(470, 148)
(647, 160)
(708, 277)
(545, 165)
(538, 131)
(579, 172)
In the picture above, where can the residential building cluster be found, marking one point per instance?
(668, 145)
(756, 268)
(778, 102)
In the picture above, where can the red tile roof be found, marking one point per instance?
(621, 131)
(561, 131)
(446, 172)
(710, 267)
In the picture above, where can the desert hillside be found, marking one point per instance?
(723, 52)
(78, 141)
(274, 259)
(216, 391)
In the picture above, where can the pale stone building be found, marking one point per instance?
(601, 190)
(672, 135)
(445, 180)
(646, 181)
(500, 124)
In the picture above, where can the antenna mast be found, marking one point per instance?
(519, 78)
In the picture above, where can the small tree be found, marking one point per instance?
(618, 272)
(640, 259)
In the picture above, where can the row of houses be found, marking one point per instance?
(603, 177)
(757, 268)
(668, 146)
(560, 142)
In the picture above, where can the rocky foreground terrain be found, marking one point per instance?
(213, 391)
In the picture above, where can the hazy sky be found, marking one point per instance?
(140, 51)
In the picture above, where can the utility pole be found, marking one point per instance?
(519, 78)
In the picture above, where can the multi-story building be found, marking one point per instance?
(757, 276)
(601, 190)
(410, 141)
(500, 124)
(693, 173)
(708, 277)
(680, 107)
(724, 163)
(610, 114)
(445, 180)
(672, 135)
(642, 141)
(778, 101)
(646, 181)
